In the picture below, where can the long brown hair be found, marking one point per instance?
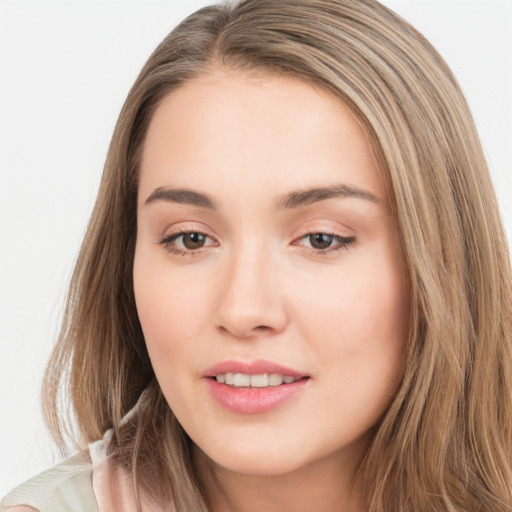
(445, 444)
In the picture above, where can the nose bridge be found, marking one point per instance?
(251, 300)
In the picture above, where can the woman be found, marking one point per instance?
(295, 289)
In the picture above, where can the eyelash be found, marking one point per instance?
(344, 242)
(167, 243)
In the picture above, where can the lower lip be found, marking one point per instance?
(254, 400)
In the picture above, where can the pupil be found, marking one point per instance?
(193, 240)
(320, 240)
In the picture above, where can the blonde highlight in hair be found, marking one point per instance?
(445, 444)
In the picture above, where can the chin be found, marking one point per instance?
(254, 459)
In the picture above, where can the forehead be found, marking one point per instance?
(259, 128)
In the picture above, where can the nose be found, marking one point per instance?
(251, 301)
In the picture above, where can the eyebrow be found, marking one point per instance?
(289, 201)
(314, 195)
(182, 196)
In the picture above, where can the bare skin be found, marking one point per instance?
(282, 249)
(315, 487)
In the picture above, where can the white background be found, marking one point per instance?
(65, 69)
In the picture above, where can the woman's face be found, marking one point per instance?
(268, 275)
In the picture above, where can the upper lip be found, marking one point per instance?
(255, 367)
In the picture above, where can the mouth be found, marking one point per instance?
(262, 380)
(253, 387)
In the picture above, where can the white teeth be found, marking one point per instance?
(263, 380)
(274, 379)
(259, 381)
(241, 380)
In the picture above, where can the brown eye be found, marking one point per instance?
(193, 240)
(187, 243)
(320, 241)
(325, 243)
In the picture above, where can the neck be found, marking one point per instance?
(326, 485)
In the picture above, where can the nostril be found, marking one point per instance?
(250, 332)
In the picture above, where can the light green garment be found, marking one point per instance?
(66, 487)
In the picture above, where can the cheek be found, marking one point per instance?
(359, 321)
(360, 306)
(171, 311)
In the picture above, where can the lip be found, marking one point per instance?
(256, 367)
(253, 400)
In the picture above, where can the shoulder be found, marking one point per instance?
(21, 508)
(63, 488)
